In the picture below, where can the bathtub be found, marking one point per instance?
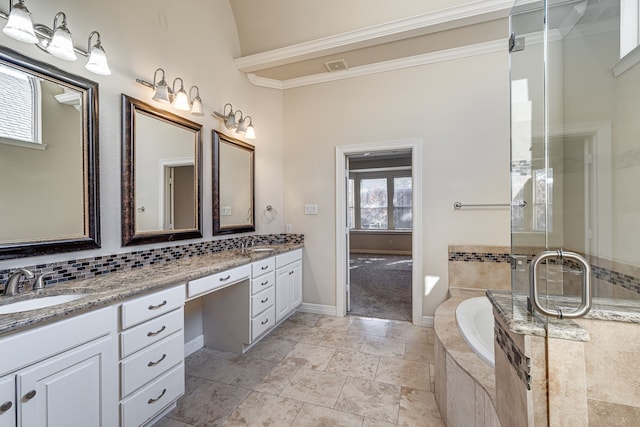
(475, 322)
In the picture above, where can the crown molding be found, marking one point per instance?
(469, 13)
(382, 67)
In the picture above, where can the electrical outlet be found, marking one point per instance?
(311, 209)
(225, 210)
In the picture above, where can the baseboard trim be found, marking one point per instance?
(328, 310)
(194, 345)
(427, 321)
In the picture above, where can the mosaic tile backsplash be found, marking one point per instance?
(95, 266)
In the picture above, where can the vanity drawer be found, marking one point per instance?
(260, 302)
(149, 306)
(153, 398)
(288, 258)
(151, 362)
(263, 266)
(150, 332)
(263, 322)
(219, 280)
(261, 283)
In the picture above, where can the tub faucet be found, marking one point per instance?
(12, 284)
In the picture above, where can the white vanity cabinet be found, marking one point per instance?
(288, 290)
(263, 310)
(151, 354)
(61, 374)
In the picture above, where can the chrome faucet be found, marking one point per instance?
(12, 284)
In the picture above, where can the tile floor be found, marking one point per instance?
(315, 370)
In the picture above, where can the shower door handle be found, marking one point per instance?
(585, 305)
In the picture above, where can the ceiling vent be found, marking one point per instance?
(337, 65)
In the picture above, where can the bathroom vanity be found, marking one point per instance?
(115, 356)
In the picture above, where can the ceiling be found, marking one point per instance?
(286, 43)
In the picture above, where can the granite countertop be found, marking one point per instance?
(114, 287)
(512, 308)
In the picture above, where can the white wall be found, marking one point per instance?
(460, 111)
(196, 41)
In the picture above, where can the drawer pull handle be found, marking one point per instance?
(264, 267)
(151, 401)
(150, 364)
(222, 279)
(264, 322)
(159, 331)
(155, 307)
(290, 273)
(264, 283)
(6, 406)
(30, 395)
(262, 301)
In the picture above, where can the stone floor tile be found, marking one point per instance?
(370, 398)
(209, 403)
(405, 373)
(370, 326)
(214, 365)
(306, 319)
(260, 409)
(309, 356)
(354, 364)
(277, 379)
(406, 331)
(315, 416)
(382, 346)
(335, 323)
(271, 348)
(344, 340)
(168, 422)
(370, 422)
(317, 388)
(300, 333)
(419, 351)
(419, 408)
(253, 373)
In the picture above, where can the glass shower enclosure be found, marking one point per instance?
(575, 150)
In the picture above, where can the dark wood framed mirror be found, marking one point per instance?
(49, 180)
(161, 175)
(233, 185)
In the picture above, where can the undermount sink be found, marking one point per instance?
(261, 249)
(36, 303)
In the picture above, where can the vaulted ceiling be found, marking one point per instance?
(285, 43)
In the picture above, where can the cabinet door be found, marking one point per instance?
(283, 293)
(296, 285)
(71, 389)
(8, 401)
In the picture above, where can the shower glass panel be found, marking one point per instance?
(575, 149)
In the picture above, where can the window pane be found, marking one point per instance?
(351, 223)
(17, 106)
(402, 203)
(373, 204)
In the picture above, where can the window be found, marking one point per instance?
(380, 201)
(19, 107)
(542, 200)
(629, 26)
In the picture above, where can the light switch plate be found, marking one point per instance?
(288, 228)
(310, 209)
(225, 210)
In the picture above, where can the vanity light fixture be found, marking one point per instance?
(160, 89)
(19, 25)
(180, 98)
(57, 42)
(239, 125)
(196, 103)
(97, 62)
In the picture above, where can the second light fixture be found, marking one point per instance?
(169, 95)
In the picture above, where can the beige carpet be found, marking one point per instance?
(381, 286)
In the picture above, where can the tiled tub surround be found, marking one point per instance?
(104, 289)
(590, 363)
(464, 384)
(479, 267)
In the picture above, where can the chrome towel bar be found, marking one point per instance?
(458, 205)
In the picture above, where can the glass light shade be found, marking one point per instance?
(19, 26)
(230, 121)
(61, 45)
(161, 93)
(196, 107)
(181, 101)
(242, 126)
(97, 62)
(251, 132)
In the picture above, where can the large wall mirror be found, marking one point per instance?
(48, 159)
(161, 175)
(233, 195)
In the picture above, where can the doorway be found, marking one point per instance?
(379, 218)
(178, 197)
(347, 222)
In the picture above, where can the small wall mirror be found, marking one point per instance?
(161, 175)
(48, 159)
(233, 178)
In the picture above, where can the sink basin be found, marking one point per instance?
(36, 303)
(261, 249)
